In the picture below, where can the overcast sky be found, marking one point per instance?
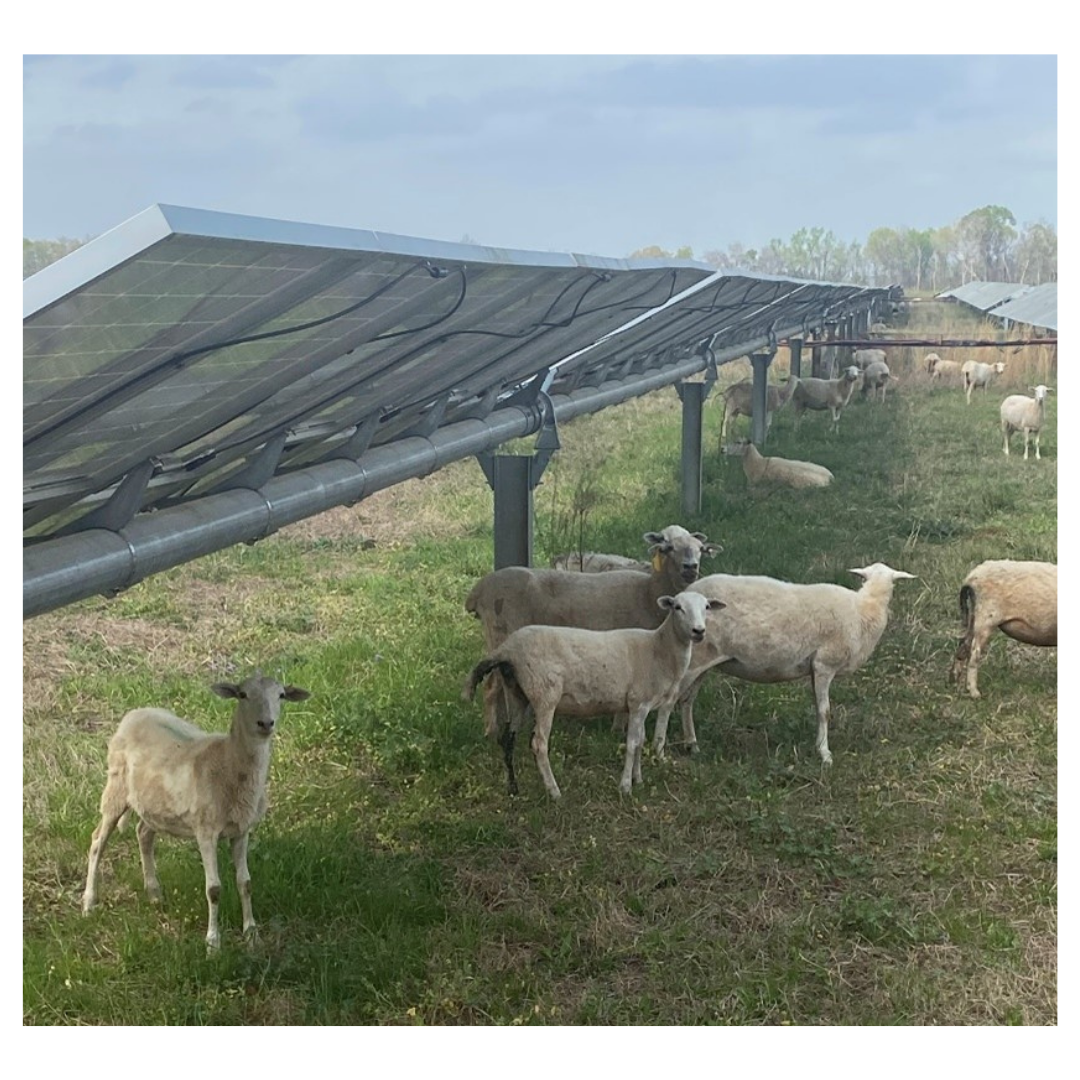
(592, 154)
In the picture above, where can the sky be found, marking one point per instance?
(596, 154)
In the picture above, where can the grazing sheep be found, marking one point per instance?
(561, 669)
(931, 360)
(821, 394)
(863, 358)
(1018, 598)
(879, 329)
(184, 781)
(738, 401)
(776, 631)
(977, 374)
(597, 562)
(946, 370)
(876, 377)
(1022, 413)
(778, 470)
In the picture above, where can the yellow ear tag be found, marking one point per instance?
(657, 561)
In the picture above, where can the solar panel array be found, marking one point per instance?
(186, 352)
(1035, 307)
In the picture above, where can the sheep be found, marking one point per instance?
(576, 672)
(931, 360)
(738, 401)
(184, 781)
(977, 374)
(863, 358)
(1022, 413)
(596, 562)
(879, 329)
(875, 377)
(1018, 598)
(946, 370)
(776, 631)
(778, 470)
(820, 394)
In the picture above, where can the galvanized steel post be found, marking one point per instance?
(759, 396)
(795, 345)
(693, 398)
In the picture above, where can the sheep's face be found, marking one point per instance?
(681, 550)
(689, 611)
(259, 701)
(1041, 392)
(851, 373)
(881, 570)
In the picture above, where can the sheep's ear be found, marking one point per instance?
(227, 690)
(716, 605)
(711, 549)
(666, 602)
(294, 693)
(699, 536)
(653, 539)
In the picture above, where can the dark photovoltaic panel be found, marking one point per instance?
(187, 355)
(1036, 307)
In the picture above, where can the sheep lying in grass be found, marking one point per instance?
(778, 470)
(876, 377)
(821, 394)
(184, 781)
(1018, 598)
(776, 631)
(597, 562)
(863, 358)
(738, 401)
(977, 374)
(946, 371)
(931, 360)
(560, 669)
(1022, 413)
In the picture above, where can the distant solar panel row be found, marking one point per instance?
(1032, 305)
(184, 345)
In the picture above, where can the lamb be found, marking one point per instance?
(946, 370)
(1018, 598)
(977, 374)
(820, 394)
(1022, 413)
(875, 377)
(738, 401)
(575, 672)
(778, 470)
(597, 562)
(776, 631)
(863, 358)
(184, 781)
(931, 360)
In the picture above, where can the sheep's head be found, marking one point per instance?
(1041, 391)
(851, 373)
(258, 701)
(681, 551)
(999, 367)
(689, 610)
(880, 570)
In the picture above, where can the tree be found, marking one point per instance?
(37, 254)
(1036, 253)
(986, 236)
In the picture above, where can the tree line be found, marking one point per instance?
(984, 245)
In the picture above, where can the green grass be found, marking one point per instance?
(394, 880)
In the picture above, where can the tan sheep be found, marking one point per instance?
(783, 472)
(1027, 414)
(976, 374)
(822, 394)
(184, 781)
(738, 401)
(1017, 598)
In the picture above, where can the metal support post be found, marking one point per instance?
(795, 345)
(759, 397)
(693, 398)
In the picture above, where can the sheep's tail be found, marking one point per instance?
(482, 671)
(967, 619)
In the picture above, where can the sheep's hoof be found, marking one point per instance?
(87, 906)
(251, 935)
(693, 749)
(975, 694)
(155, 895)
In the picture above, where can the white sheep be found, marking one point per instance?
(1022, 413)
(184, 781)
(931, 360)
(1018, 598)
(776, 631)
(946, 370)
(876, 377)
(821, 394)
(863, 358)
(738, 401)
(561, 669)
(879, 329)
(597, 562)
(777, 470)
(978, 374)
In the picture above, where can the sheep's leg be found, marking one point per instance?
(820, 681)
(686, 711)
(635, 738)
(1006, 431)
(1026, 437)
(1038, 435)
(146, 837)
(208, 850)
(980, 638)
(243, 881)
(541, 732)
(109, 818)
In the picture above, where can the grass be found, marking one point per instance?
(396, 883)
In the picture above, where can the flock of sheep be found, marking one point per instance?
(623, 638)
